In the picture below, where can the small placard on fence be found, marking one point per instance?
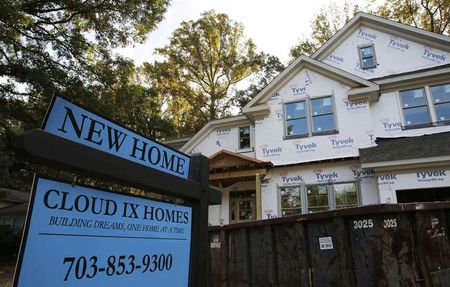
(325, 243)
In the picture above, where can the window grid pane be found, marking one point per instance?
(417, 115)
(315, 114)
(415, 107)
(413, 98)
(295, 110)
(345, 195)
(367, 56)
(443, 111)
(244, 137)
(441, 100)
(368, 62)
(296, 119)
(366, 51)
(440, 94)
(317, 198)
(297, 127)
(290, 201)
(245, 210)
(322, 114)
(321, 106)
(323, 123)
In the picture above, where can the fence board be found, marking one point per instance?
(291, 254)
(352, 247)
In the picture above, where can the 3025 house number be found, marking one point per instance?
(390, 223)
(368, 223)
(362, 224)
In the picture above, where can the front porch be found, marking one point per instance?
(239, 178)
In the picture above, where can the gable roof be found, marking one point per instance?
(211, 125)
(402, 30)
(226, 159)
(360, 86)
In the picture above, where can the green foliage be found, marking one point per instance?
(54, 46)
(64, 47)
(203, 60)
(269, 67)
(431, 15)
(324, 25)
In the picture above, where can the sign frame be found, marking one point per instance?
(51, 109)
(43, 148)
(31, 207)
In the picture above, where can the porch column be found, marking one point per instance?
(258, 196)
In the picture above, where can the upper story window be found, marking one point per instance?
(310, 117)
(415, 107)
(441, 100)
(296, 119)
(427, 105)
(322, 115)
(244, 137)
(367, 57)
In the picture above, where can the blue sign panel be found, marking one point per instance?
(80, 236)
(72, 122)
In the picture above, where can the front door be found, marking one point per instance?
(242, 206)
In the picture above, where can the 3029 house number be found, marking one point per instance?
(362, 224)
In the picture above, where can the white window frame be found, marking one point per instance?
(405, 125)
(358, 192)
(434, 114)
(309, 118)
(302, 197)
(430, 105)
(285, 120)
(249, 137)
(361, 56)
(330, 194)
(313, 133)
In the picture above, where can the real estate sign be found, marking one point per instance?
(81, 236)
(72, 122)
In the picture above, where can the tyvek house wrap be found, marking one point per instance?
(352, 121)
(337, 172)
(387, 119)
(358, 125)
(225, 138)
(393, 54)
(388, 183)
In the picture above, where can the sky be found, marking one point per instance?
(274, 26)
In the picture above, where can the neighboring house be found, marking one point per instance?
(364, 120)
(13, 208)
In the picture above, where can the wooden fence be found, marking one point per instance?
(379, 245)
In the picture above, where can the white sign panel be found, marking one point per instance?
(80, 236)
(325, 243)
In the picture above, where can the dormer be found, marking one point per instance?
(359, 89)
(372, 47)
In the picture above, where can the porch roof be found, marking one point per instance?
(419, 151)
(227, 167)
